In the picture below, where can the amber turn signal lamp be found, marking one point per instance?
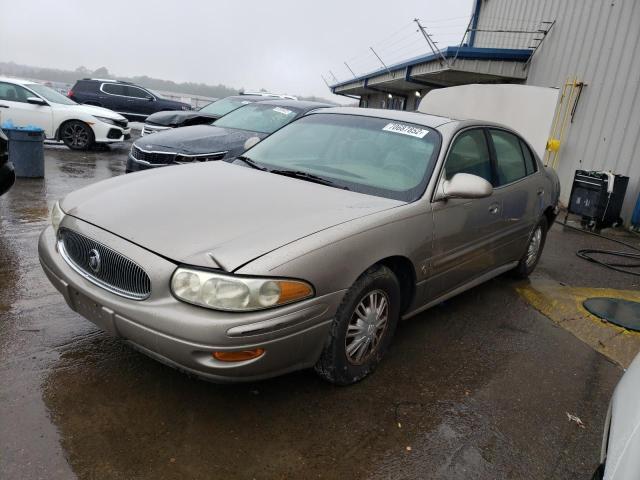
(292, 291)
(238, 356)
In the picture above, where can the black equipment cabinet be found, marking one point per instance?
(595, 200)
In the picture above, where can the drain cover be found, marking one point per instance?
(623, 313)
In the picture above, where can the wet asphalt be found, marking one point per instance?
(476, 388)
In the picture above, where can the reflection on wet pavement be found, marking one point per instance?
(478, 387)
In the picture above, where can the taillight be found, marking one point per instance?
(70, 93)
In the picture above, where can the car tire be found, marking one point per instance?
(532, 254)
(358, 340)
(77, 135)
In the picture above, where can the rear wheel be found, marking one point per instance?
(534, 250)
(77, 135)
(362, 329)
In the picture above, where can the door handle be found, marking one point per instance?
(4, 106)
(493, 209)
(540, 191)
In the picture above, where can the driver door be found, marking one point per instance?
(465, 231)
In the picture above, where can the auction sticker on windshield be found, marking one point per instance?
(405, 130)
(283, 111)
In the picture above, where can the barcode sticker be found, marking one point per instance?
(406, 130)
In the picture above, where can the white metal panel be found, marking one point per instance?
(526, 109)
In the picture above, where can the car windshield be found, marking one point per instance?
(376, 156)
(50, 95)
(224, 106)
(258, 117)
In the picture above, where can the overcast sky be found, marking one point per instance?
(281, 45)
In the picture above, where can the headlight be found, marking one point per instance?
(106, 120)
(233, 293)
(56, 216)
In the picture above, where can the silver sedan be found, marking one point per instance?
(307, 250)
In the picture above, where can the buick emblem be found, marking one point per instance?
(94, 260)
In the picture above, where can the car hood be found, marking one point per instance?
(216, 214)
(198, 139)
(623, 460)
(174, 118)
(92, 110)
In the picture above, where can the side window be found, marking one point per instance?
(529, 159)
(113, 88)
(14, 93)
(469, 154)
(510, 165)
(136, 92)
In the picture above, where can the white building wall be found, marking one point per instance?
(597, 41)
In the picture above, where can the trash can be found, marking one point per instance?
(26, 150)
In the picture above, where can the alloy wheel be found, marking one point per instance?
(75, 135)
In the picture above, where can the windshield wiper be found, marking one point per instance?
(309, 177)
(250, 162)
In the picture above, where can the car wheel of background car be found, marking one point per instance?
(76, 135)
(362, 329)
(534, 250)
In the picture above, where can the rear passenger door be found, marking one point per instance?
(519, 187)
(140, 101)
(465, 230)
(114, 97)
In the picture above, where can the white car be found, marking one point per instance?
(23, 102)
(620, 457)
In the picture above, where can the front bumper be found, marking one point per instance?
(182, 335)
(107, 133)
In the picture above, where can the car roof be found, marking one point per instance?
(17, 81)
(424, 119)
(297, 104)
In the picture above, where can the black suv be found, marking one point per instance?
(129, 100)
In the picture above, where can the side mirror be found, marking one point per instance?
(150, 98)
(465, 185)
(251, 142)
(36, 101)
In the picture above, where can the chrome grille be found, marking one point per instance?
(114, 271)
(152, 157)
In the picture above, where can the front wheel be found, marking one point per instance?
(77, 135)
(363, 328)
(531, 257)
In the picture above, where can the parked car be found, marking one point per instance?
(7, 174)
(132, 101)
(307, 249)
(619, 459)
(224, 139)
(24, 102)
(206, 115)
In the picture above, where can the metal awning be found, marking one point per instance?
(456, 66)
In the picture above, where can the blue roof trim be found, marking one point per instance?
(471, 53)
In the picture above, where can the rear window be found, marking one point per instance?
(114, 88)
(84, 87)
